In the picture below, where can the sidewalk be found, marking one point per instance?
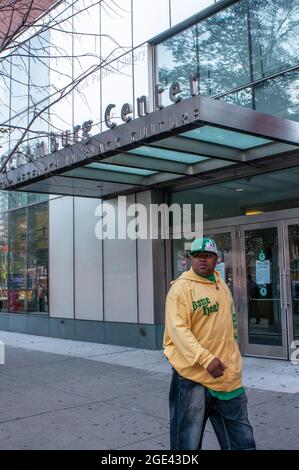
(63, 394)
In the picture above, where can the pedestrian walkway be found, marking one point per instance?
(64, 394)
(264, 374)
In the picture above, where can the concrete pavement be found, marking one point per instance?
(63, 394)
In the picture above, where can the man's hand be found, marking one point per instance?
(216, 368)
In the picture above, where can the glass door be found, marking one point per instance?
(263, 303)
(225, 241)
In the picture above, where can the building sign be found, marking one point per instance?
(81, 132)
(79, 147)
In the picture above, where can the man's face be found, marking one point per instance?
(204, 263)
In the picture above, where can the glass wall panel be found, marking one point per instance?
(240, 98)
(217, 47)
(87, 61)
(279, 96)
(141, 73)
(3, 262)
(61, 72)
(39, 90)
(223, 50)
(16, 199)
(19, 83)
(4, 90)
(180, 11)
(19, 102)
(4, 106)
(35, 198)
(116, 29)
(149, 19)
(256, 194)
(17, 259)
(3, 201)
(242, 43)
(39, 69)
(37, 258)
(24, 248)
(112, 93)
(176, 59)
(274, 28)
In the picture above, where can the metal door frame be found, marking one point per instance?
(280, 352)
(237, 296)
(289, 305)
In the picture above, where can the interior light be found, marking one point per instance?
(240, 189)
(253, 212)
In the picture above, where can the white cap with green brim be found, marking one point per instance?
(207, 245)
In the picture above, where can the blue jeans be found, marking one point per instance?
(191, 405)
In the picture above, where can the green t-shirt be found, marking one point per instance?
(224, 395)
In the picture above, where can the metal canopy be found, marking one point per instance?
(186, 139)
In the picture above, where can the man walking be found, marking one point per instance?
(200, 342)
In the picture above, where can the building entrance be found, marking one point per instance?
(259, 260)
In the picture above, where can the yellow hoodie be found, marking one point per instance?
(199, 327)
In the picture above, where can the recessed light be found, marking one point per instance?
(239, 190)
(253, 212)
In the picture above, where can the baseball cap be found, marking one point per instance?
(204, 244)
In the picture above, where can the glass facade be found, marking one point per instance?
(234, 51)
(256, 194)
(24, 259)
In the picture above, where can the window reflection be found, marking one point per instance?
(3, 262)
(17, 292)
(259, 193)
(279, 96)
(37, 258)
(236, 46)
(177, 58)
(240, 98)
(24, 260)
(274, 29)
(217, 47)
(16, 199)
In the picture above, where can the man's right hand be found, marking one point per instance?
(216, 368)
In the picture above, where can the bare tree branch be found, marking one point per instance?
(28, 46)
